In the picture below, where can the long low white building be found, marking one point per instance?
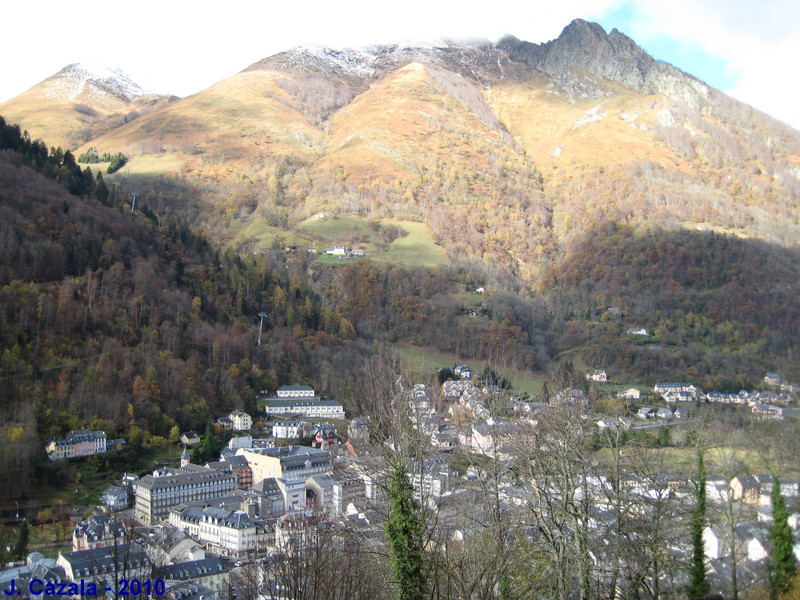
(310, 409)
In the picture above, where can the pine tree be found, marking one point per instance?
(782, 563)
(21, 545)
(404, 530)
(698, 585)
(101, 189)
(208, 448)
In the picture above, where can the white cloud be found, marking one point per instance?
(182, 47)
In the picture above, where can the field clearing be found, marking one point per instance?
(336, 228)
(152, 164)
(684, 459)
(420, 361)
(417, 247)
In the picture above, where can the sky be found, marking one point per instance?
(181, 47)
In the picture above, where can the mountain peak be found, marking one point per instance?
(611, 57)
(77, 79)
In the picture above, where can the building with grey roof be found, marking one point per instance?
(286, 461)
(156, 494)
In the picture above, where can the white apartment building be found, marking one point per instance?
(230, 533)
(295, 391)
(309, 409)
(287, 430)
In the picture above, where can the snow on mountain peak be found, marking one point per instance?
(73, 80)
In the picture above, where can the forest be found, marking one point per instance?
(135, 322)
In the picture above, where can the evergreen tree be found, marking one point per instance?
(101, 189)
(782, 563)
(21, 545)
(404, 530)
(208, 448)
(698, 585)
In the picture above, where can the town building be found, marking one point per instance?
(309, 409)
(78, 442)
(295, 391)
(286, 461)
(156, 494)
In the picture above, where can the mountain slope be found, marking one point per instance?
(79, 103)
(509, 152)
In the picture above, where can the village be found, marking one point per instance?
(200, 527)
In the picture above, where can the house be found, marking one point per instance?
(767, 412)
(225, 423)
(241, 421)
(479, 290)
(713, 544)
(746, 489)
(646, 413)
(598, 375)
(190, 438)
(752, 538)
(358, 429)
(337, 251)
(325, 435)
(638, 331)
(621, 423)
(664, 413)
(677, 389)
(324, 495)
(772, 379)
(115, 498)
(78, 442)
(630, 394)
(463, 371)
(717, 489)
(98, 531)
(287, 430)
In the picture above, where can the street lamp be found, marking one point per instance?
(17, 503)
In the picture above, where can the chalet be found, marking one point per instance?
(638, 331)
(630, 394)
(746, 489)
(664, 413)
(621, 423)
(190, 438)
(646, 413)
(463, 371)
(598, 375)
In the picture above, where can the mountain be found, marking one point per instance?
(507, 153)
(79, 103)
